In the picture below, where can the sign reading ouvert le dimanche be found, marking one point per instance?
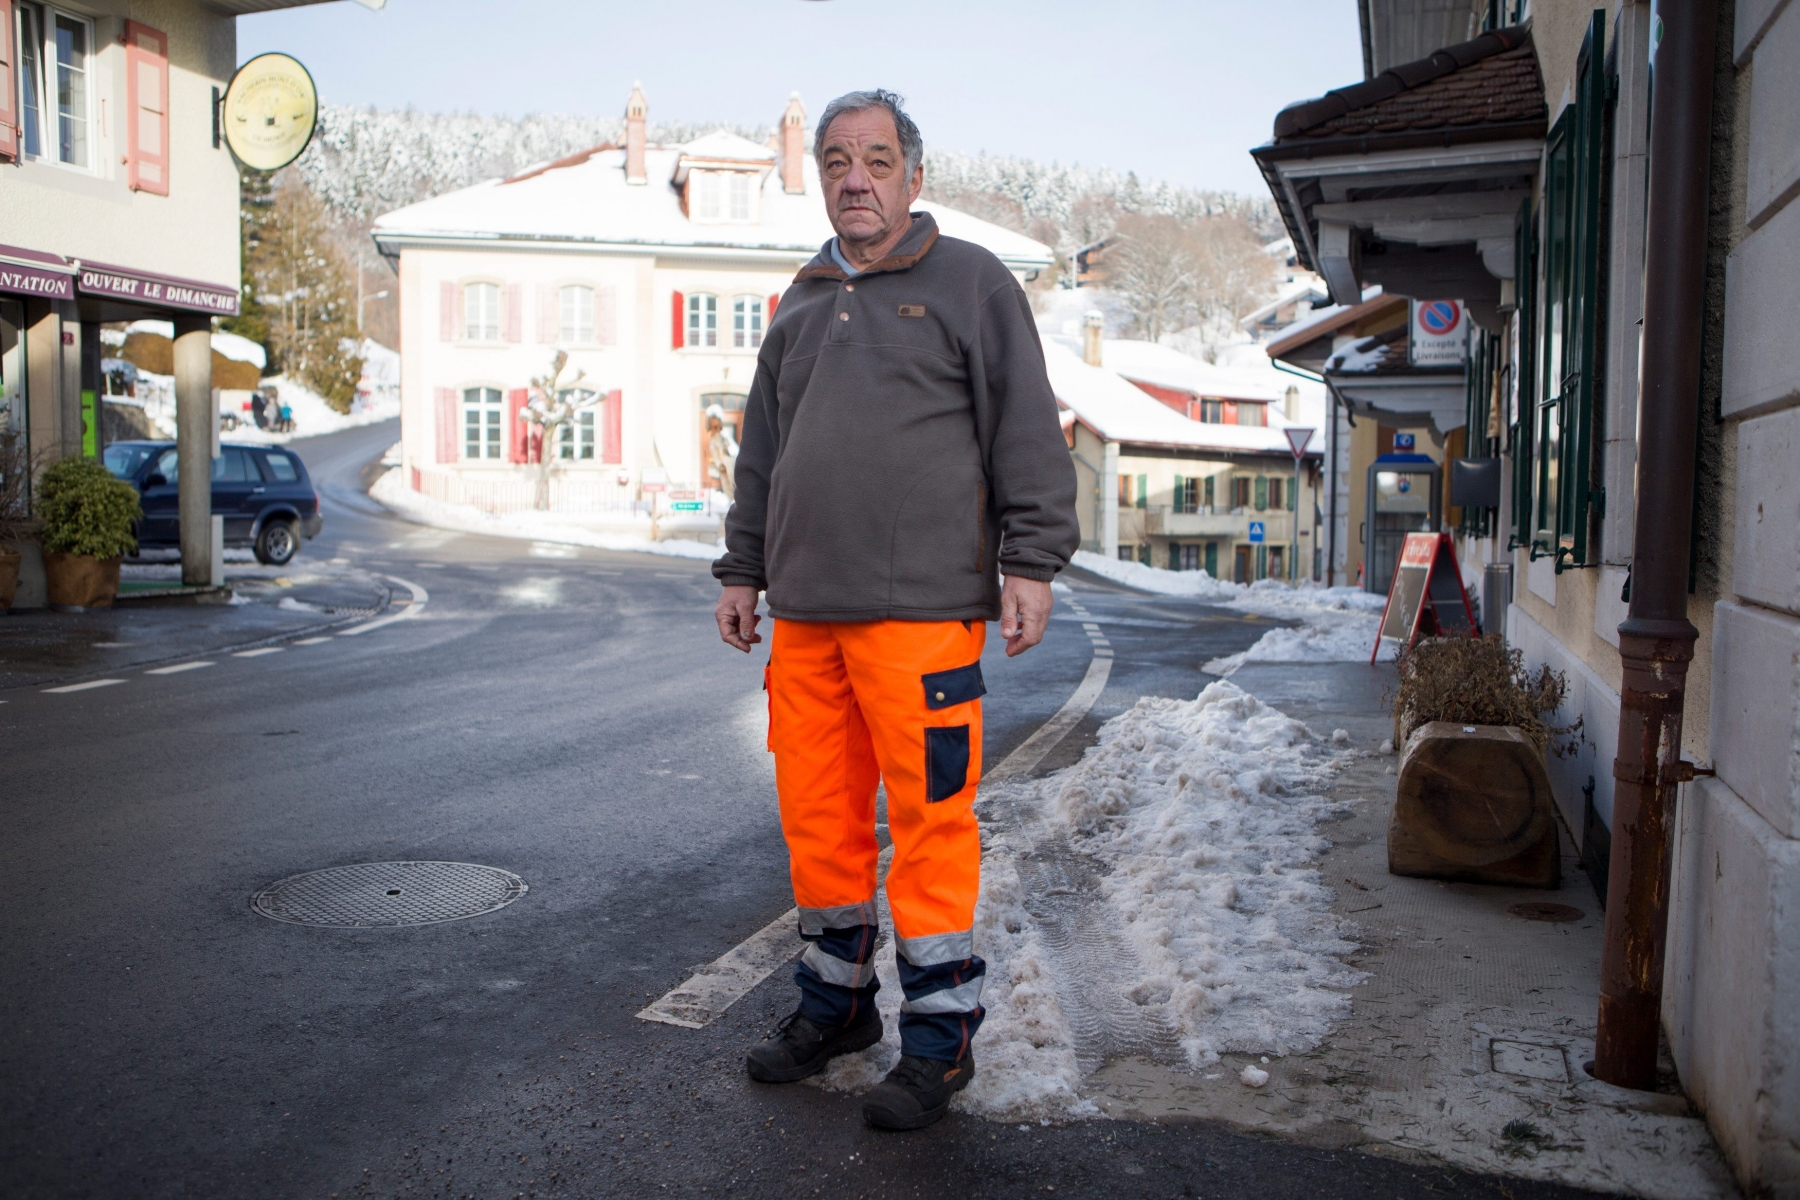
(160, 291)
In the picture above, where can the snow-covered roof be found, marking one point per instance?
(585, 199)
(1291, 293)
(1119, 411)
(1164, 366)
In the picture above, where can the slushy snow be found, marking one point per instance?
(1200, 820)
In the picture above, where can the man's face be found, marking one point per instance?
(868, 190)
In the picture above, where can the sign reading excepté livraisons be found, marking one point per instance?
(1439, 334)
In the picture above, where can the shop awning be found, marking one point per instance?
(34, 273)
(157, 291)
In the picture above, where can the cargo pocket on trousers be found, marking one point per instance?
(946, 761)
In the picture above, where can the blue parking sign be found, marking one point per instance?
(1256, 532)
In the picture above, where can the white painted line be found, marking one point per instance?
(1032, 750)
(258, 652)
(178, 668)
(81, 687)
(708, 992)
(318, 641)
(419, 597)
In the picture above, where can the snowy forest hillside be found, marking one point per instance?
(364, 162)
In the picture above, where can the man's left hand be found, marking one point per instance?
(1024, 613)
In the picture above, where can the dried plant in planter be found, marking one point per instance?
(1479, 681)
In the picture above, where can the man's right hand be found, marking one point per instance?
(736, 614)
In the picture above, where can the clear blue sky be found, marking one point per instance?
(1176, 91)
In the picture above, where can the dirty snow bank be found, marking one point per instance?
(391, 491)
(1338, 624)
(1200, 819)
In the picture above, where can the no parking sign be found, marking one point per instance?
(1439, 336)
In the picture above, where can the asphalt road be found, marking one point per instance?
(569, 715)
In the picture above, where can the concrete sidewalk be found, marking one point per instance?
(260, 605)
(1467, 1039)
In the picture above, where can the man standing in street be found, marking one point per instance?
(900, 453)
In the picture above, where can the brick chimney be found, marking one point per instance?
(793, 147)
(635, 110)
(1093, 328)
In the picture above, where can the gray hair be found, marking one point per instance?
(912, 146)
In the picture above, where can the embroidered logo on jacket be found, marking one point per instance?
(912, 310)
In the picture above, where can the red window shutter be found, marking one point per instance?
(446, 312)
(514, 316)
(549, 319)
(606, 316)
(147, 108)
(518, 438)
(612, 448)
(9, 86)
(773, 301)
(678, 322)
(446, 425)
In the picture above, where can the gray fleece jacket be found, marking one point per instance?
(900, 441)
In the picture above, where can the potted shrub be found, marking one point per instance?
(88, 517)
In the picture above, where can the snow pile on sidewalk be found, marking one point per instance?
(1338, 624)
(391, 491)
(312, 415)
(1199, 819)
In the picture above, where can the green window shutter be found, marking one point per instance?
(1262, 493)
(1209, 501)
(1262, 562)
(1518, 421)
(1144, 554)
(1143, 499)
(1212, 556)
(1180, 490)
(1293, 497)
(1174, 557)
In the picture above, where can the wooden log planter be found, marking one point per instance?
(1474, 806)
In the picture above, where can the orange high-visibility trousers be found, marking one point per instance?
(851, 705)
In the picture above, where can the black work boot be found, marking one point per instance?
(800, 1048)
(916, 1092)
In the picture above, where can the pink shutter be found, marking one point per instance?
(612, 446)
(147, 108)
(9, 86)
(773, 301)
(606, 316)
(678, 322)
(518, 433)
(549, 322)
(447, 312)
(446, 425)
(514, 316)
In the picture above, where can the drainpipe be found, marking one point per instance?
(1656, 641)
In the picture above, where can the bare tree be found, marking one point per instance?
(306, 287)
(1172, 274)
(555, 403)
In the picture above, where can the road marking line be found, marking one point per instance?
(81, 687)
(178, 668)
(1033, 749)
(413, 609)
(708, 992)
(318, 641)
(258, 652)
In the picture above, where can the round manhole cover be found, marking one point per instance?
(369, 895)
(1545, 912)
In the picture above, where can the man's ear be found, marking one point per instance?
(917, 183)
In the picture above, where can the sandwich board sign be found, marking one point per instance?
(1426, 598)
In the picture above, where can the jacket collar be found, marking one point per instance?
(915, 245)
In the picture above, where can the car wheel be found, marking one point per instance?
(277, 543)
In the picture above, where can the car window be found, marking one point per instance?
(124, 461)
(280, 467)
(231, 467)
(169, 465)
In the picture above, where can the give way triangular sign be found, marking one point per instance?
(1297, 438)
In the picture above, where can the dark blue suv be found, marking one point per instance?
(263, 492)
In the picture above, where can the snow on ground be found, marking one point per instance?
(1198, 823)
(1338, 624)
(313, 416)
(391, 491)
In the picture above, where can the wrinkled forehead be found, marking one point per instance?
(862, 130)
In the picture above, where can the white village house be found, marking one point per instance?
(657, 268)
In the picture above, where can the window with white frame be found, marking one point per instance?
(746, 322)
(722, 196)
(481, 312)
(739, 189)
(575, 437)
(702, 320)
(575, 305)
(483, 425)
(55, 101)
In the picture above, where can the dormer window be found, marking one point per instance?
(722, 197)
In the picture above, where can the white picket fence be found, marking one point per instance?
(576, 493)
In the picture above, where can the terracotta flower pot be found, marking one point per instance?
(9, 576)
(77, 581)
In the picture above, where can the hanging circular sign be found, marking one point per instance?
(271, 110)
